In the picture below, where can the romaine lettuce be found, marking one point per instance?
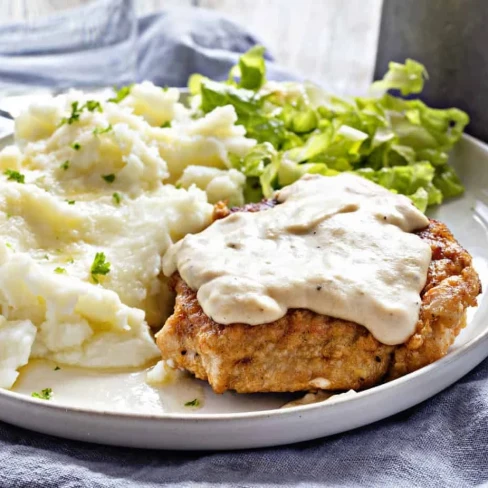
(400, 144)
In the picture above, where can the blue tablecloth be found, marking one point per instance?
(442, 442)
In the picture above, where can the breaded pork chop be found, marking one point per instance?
(305, 350)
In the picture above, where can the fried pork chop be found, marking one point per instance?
(305, 350)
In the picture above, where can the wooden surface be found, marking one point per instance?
(330, 41)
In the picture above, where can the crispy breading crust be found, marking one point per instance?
(305, 350)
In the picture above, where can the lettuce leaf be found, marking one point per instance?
(420, 199)
(216, 94)
(290, 171)
(415, 181)
(400, 144)
(252, 68)
(260, 166)
(408, 78)
(254, 163)
(447, 181)
(402, 179)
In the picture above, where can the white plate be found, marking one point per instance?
(120, 409)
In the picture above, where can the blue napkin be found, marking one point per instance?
(442, 442)
(104, 44)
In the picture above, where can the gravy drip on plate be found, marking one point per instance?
(339, 246)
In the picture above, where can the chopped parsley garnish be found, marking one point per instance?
(75, 114)
(166, 125)
(59, 270)
(65, 165)
(76, 146)
(14, 176)
(46, 257)
(76, 109)
(71, 261)
(100, 130)
(121, 93)
(71, 202)
(117, 198)
(45, 394)
(193, 403)
(99, 266)
(57, 368)
(9, 245)
(92, 105)
(109, 178)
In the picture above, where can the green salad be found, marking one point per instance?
(400, 144)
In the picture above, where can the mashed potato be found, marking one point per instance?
(16, 339)
(203, 142)
(91, 178)
(219, 185)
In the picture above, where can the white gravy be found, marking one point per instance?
(339, 246)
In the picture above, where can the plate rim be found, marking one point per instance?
(450, 357)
